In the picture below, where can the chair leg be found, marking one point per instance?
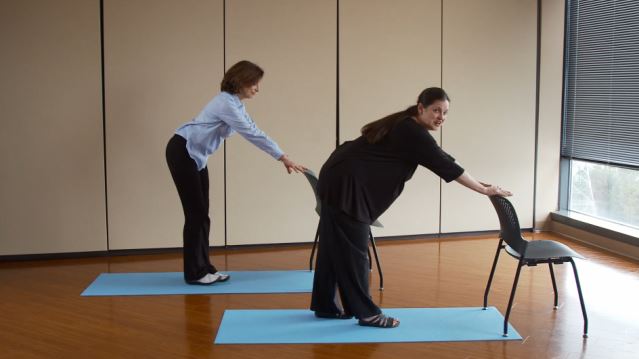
(310, 263)
(379, 266)
(492, 273)
(512, 297)
(581, 298)
(554, 285)
(370, 260)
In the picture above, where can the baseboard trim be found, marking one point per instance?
(145, 251)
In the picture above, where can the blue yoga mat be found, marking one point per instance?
(297, 326)
(162, 283)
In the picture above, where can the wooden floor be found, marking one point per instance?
(43, 315)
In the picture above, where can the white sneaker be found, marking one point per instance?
(208, 279)
(222, 277)
(211, 278)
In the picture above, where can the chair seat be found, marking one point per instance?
(545, 249)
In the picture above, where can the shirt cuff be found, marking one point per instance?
(277, 153)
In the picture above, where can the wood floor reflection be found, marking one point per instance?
(43, 315)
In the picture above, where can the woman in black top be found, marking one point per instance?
(358, 182)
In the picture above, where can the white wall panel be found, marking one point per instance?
(52, 177)
(295, 42)
(389, 52)
(163, 63)
(489, 59)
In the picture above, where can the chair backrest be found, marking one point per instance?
(510, 230)
(312, 180)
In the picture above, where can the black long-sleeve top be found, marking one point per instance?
(363, 179)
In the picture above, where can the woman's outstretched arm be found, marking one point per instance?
(468, 181)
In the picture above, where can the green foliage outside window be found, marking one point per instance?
(605, 192)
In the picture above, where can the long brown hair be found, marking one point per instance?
(377, 130)
(242, 74)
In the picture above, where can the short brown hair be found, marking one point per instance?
(242, 74)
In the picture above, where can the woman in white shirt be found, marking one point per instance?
(187, 153)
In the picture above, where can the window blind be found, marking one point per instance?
(601, 84)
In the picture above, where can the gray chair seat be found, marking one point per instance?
(545, 250)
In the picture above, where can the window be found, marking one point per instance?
(600, 133)
(606, 192)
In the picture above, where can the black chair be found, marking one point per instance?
(529, 253)
(312, 180)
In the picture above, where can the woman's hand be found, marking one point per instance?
(492, 190)
(290, 165)
(484, 188)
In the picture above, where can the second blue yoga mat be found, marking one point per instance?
(297, 326)
(162, 283)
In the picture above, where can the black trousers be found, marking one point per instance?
(342, 264)
(193, 188)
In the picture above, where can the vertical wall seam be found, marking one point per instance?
(337, 78)
(441, 84)
(223, 71)
(536, 144)
(104, 145)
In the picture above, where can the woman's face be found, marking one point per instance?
(433, 116)
(249, 91)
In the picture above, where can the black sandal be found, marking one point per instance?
(333, 315)
(380, 321)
